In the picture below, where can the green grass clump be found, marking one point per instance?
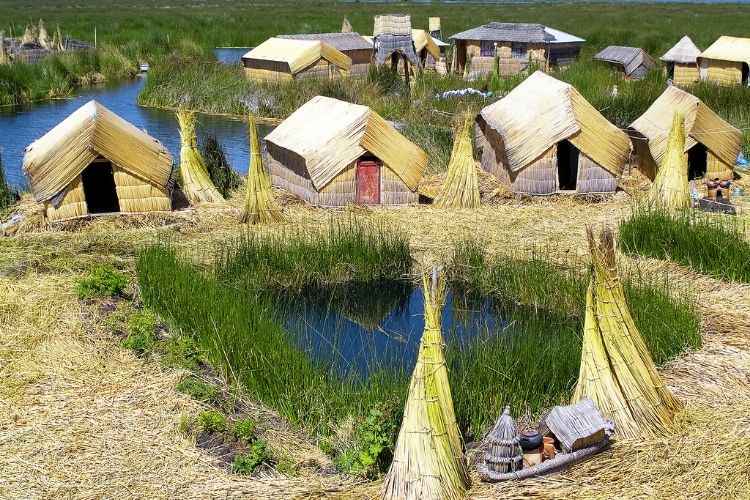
(224, 177)
(199, 390)
(244, 429)
(8, 196)
(246, 463)
(212, 422)
(286, 466)
(141, 326)
(710, 244)
(101, 281)
(180, 351)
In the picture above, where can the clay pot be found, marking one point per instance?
(530, 440)
(549, 448)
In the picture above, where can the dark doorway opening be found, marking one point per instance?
(99, 188)
(697, 161)
(670, 71)
(745, 71)
(567, 165)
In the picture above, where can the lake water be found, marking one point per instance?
(22, 125)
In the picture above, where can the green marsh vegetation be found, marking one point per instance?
(530, 360)
(8, 196)
(711, 244)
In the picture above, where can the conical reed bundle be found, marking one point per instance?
(43, 38)
(671, 188)
(58, 43)
(617, 372)
(461, 186)
(4, 56)
(260, 205)
(346, 26)
(196, 184)
(428, 461)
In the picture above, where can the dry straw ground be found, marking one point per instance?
(82, 417)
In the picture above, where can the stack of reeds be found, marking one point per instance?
(196, 183)
(461, 186)
(29, 37)
(43, 39)
(346, 26)
(260, 205)
(671, 188)
(57, 40)
(428, 462)
(617, 372)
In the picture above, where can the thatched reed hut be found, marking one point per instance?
(726, 61)
(392, 38)
(682, 62)
(513, 47)
(95, 162)
(711, 144)
(351, 44)
(426, 48)
(280, 59)
(634, 63)
(544, 137)
(331, 153)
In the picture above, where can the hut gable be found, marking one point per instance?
(576, 426)
(342, 42)
(297, 55)
(543, 111)
(684, 52)
(423, 40)
(701, 126)
(630, 58)
(329, 135)
(58, 158)
(729, 48)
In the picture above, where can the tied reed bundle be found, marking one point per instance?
(4, 56)
(43, 39)
(428, 462)
(617, 372)
(461, 186)
(346, 26)
(260, 205)
(196, 183)
(671, 188)
(57, 40)
(29, 37)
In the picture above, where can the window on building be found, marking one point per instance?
(518, 50)
(487, 49)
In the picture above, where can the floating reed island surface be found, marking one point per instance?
(337, 351)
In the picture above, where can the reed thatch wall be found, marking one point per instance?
(137, 195)
(479, 65)
(723, 72)
(685, 74)
(72, 205)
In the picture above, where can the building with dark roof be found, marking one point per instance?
(632, 62)
(352, 44)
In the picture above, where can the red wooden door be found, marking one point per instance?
(368, 182)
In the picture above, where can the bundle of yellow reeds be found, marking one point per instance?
(4, 56)
(671, 188)
(57, 40)
(346, 26)
(196, 184)
(461, 186)
(428, 462)
(43, 38)
(260, 205)
(29, 37)
(617, 371)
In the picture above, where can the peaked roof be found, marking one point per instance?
(59, 156)
(516, 32)
(630, 57)
(297, 54)
(701, 125)
(349, 40)
(684, 52)
(729, 48)
(330, 134)
(543, 111)
(423, 40)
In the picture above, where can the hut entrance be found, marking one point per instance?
(567, 165)
(745, 71)
(697, 161)
(368, 181)
(99, 188)
(670, 71)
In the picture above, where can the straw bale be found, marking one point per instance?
(58, 157)
(295, 55)
(196, 183)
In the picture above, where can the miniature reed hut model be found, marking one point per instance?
(671, 188)
(331, 153)
(711, 144)
(196, 183)
(461, 186)
(428, 461)
(682, 62)
(726, 61)
(282, 59)
(94, 162)
(617, 372)
(504, 454)
(544, 137)
(260, 205)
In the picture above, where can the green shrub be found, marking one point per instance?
(141, 326)
(371, 451)
(8, 196)
(224, 177)
(102, 281)
(180, 351)
(248, 462)
(212, 422)
(245, 430)
(199, 390)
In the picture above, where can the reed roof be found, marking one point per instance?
(543, 111)
(631, 58)
(684, 52)
(729, 48)
(517, 32)
(423, 40)
(298, 54)
(343, 42)
(701, 125)
(59, 156)
(330, 134)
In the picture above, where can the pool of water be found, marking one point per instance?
(231, 56)
(20, 126)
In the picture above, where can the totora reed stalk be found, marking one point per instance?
(461, 186)
(428, 461)
(671, 188)
(617, 372)
(196, 183)
(260, 205)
